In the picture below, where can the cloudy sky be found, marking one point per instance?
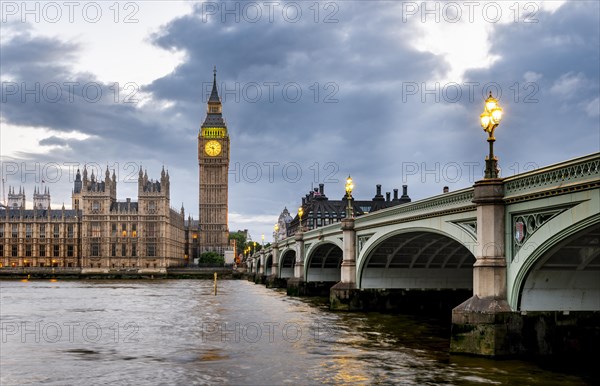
(387, 91)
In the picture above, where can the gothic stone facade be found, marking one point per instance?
(99, 233)
(38, 237)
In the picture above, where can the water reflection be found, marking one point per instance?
(177, 332)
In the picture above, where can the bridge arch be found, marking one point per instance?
(323, 262)
(420, 258)
(268, 264)
(287, 261)
(561, 272)
(257, 265)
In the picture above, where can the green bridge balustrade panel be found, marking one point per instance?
(552, 237)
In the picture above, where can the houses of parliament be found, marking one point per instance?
(100, 233)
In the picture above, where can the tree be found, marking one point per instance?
(240, 241)
(211, 258)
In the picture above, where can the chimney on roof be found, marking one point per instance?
(387, 196)
(322, 189)
(378, 196)
(405, 197)
(395, 194)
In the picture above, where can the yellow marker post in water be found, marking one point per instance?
(215, 284)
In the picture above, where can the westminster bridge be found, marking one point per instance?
(517, 256)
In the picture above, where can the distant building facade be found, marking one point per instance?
(99, 233)
(38, 237)
(319, 210)
(283, 223)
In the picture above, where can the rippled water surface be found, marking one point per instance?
(178, 332)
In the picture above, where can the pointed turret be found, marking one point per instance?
(16, 201)
(41, 198)
(214, 94)
(78, 183)
(214, 118)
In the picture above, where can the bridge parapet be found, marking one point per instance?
(576, 174)
(446, 203)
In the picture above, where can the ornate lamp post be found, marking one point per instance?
(485, 312)
(349, 188)
(276, 227)
(490, 119)
(300, 213)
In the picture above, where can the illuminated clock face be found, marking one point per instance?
(212, 148)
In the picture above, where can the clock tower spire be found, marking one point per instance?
(213, 162)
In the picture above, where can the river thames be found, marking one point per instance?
(167, 332)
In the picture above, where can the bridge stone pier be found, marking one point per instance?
(342, 293)
(296, 284)
(480, 323)
(261, 268)
(513, 263)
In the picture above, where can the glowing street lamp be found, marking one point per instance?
(300, 213)
(490, 119)
(349, 189)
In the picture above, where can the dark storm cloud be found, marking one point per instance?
(54, 141)
(22, 49)
(41, 90)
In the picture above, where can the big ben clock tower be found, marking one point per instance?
(213, 161)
